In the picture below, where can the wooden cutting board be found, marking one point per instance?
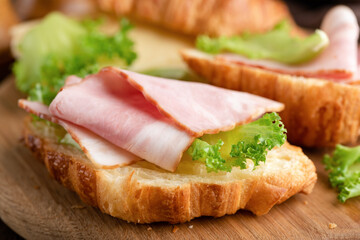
(37, 207)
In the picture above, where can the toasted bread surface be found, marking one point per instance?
(215, 17)
(317, 112)
(144, 193)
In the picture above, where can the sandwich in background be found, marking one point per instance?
(322, 100)
(214, 18)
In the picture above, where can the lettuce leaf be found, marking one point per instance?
(252, 141)
(68, 140)
(209, 154)
(60, 46)
(276, 44)
(344, 167)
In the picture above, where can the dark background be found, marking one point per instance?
(307, 14)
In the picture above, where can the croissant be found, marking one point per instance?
(211, 17)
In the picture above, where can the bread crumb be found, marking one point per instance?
(306, 202)
(332, 225)
(191, 226)
(149, 228)
(77, 206)
(175, 229)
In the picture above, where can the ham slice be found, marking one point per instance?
(338, 62)
(156, 119)
(72, 80)
(200, 108)
(102, 153)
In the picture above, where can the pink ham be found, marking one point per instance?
(200, 108)
(102, 153)
(337, 62)
(154, 118)
(72, 80)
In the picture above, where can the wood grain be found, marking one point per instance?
(37, 207)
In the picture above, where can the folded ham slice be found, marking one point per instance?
(338, 62)
(153, 118)
(200, 108)
(101, 152)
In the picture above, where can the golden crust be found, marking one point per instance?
(317, 112)
(213, 17)
(127, 192)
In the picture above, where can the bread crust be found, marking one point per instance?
(317, 112)
(212, 17)
(128, 196)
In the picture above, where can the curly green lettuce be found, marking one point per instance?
(60, 46)
(344, 167)
(276, 44)
(252, 141)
